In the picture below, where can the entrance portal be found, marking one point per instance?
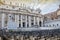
(40, 23)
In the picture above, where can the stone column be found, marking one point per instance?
(38, 21)
(26, 21)
(29, 21)
(42, 22)
(3, 20)
(8, 20)
(34, 21)
(21, 21)
(17, 20)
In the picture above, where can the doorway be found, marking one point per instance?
(40, 23)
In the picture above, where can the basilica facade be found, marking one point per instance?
(11, 16)
(21, 16)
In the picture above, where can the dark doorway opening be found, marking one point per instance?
(27, 25)
(23, 24)
(32, 24)
(40, 23)
(19, 25)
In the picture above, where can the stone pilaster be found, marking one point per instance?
(26, 21)
(3, 19)
(29, 21)
(38, 21)
(17, 20)
(21, 21)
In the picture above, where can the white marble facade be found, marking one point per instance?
(20, 18)
(52, 23)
